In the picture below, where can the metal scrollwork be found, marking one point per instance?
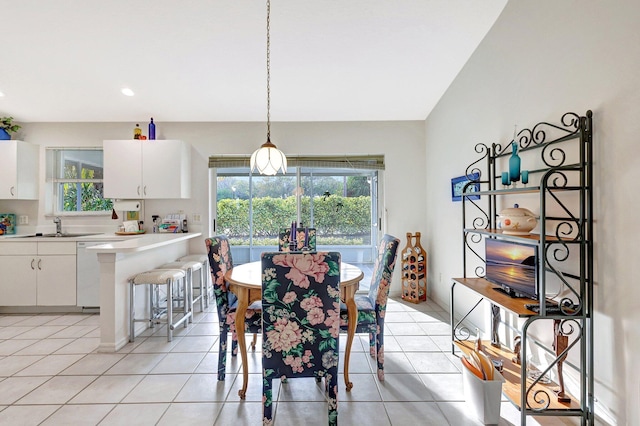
(539, 400)
(560, 251)
(571, 120)
(553, 156)
(556, 179)
(475, 239)
(498, 149)
(569, 306)
(564, 230)
(538, 134)
(462, 333)
(473, 169)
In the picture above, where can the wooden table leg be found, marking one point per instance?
(352, 315)
(243, 303)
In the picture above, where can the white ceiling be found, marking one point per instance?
(197, 60)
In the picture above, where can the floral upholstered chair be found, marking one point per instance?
(302, 234)
(301, 322)
(220, 262)
(372, 307)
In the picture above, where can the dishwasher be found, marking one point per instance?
(88, 274)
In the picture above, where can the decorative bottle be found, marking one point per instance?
(137, 132)
(514, 163)
(152, 130)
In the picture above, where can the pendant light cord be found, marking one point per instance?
(268, 72)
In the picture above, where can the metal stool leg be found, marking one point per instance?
(132, 314)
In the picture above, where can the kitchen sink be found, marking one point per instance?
(54, 235)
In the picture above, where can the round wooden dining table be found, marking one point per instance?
(245, 281)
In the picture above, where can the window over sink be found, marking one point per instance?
(76, 176)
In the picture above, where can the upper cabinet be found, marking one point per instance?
(19, 166)
(151, 169)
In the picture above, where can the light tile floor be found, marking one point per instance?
(50, 374)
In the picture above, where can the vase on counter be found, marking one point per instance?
(4, 135)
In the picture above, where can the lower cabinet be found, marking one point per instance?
(18, 281)
(38, 274)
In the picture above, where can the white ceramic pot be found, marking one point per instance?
(517, 220)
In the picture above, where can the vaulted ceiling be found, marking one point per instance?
(197, 60)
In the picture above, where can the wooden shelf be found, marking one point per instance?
(512, 373)
(487, 289)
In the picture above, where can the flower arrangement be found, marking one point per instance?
(6, 124)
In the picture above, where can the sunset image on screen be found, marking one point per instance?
(512, 265)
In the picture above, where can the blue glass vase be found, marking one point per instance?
(514, 163)
(4, 135)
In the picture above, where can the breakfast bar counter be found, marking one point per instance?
(118, 262)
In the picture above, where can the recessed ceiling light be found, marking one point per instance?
(1, 94)
(127, 92)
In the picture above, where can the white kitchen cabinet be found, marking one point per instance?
(17, 281)
(147, 169)
(19, 168)
(38, 274)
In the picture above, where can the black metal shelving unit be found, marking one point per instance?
(563, 157)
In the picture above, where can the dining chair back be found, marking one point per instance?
(301, 322)
(302, 235)
(220, 261)
(372, 307)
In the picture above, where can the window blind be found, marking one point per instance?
(362, 162)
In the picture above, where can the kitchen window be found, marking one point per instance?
(76, 176)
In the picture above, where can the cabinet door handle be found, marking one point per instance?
(39, 263)
(144, 191)
(32, 260)
(11, 190)
(138, 190)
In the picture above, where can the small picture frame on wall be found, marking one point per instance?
(458, 184)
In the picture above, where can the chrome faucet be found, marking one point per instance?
(58, 223)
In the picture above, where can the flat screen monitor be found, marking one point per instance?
(512, 266)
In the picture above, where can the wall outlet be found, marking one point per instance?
(196, 218)
(440, 278)
(23, 220)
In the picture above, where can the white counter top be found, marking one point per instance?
(91, 237)
(142, 242)
(120, 244)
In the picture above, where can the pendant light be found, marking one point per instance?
(268, 159)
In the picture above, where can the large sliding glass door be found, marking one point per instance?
(341, 203)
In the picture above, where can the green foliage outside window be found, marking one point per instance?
(337, 219)
(90, 197)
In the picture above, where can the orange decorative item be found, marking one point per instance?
(414, 270)
(472, 368)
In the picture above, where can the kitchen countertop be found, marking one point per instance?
(92, 237)
(120, 244)
(141, 242)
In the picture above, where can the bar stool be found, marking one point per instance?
(205, 289)
(156, 279)
(188, 267)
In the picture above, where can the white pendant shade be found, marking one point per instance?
(268, 160)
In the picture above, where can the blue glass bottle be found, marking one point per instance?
(514, 163)
(152, 130)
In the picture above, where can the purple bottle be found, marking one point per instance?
(152, 129)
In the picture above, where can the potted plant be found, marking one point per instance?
(7, 127)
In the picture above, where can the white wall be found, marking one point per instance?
(402, 143)
(542, 59)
